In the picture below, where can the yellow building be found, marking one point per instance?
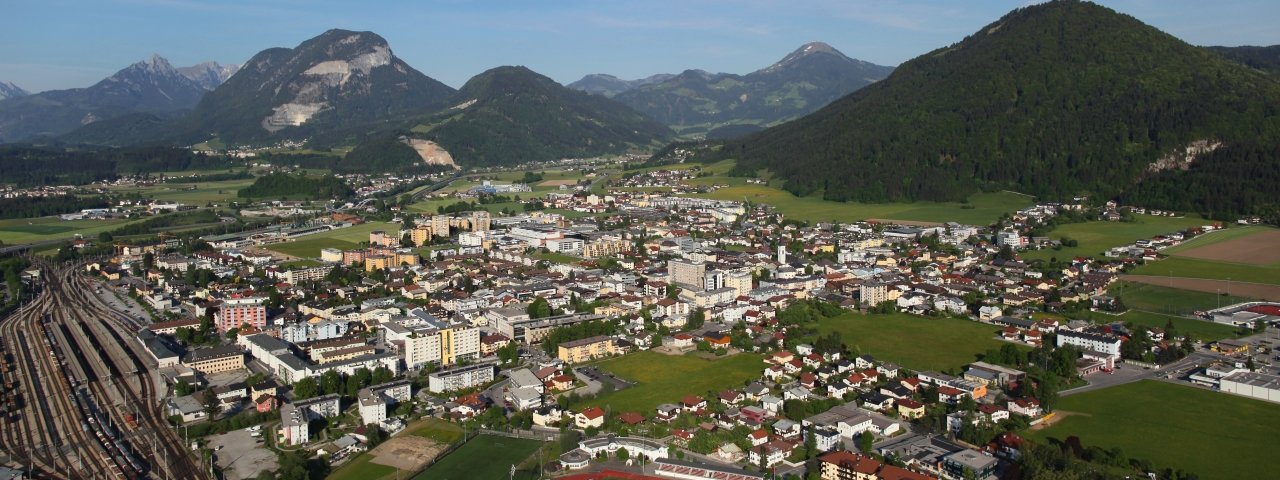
(587, 349)
(219, 359)
(420, 235)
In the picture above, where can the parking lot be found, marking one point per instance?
(241, 456)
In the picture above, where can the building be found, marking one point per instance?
(1261, 386)
(235, 312)
(842, 465)
(739, 280)
(373, 409)
(982, 465)
(685, 470)
(459, 378)
(295, 418)
(224, 358)
(687, 273)
(587, 349)
(443, 346)
(1108, 345)
(605, 246)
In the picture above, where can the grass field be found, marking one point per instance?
(1173, 301)
(1199, 329)
(1214, 435)
(1096, 237)
(982, 209)
(918, 343)
(436, 429)
(666, 378)
(25, 230)
(1216, 237)
(343, 238)
(361, 468)
(1195, 268)
(196, 193)
(484, 457)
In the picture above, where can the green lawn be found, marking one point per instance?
(1096, 237)
(666, 378)
(484, 457)
(436, 429)
(1195, 268)
(982, 209)
(1214, 435)
(343, 238)
(361, 468)
(1216, 236)
(196, 193)
(25, 230)
(1173, 301)
(918, 343)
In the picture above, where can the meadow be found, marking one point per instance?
(343, 238)
(981, 209)
(27, 230)
(1097, 237)
(667, 378)
(918, 343)
(1213, 435)
(1176, 266)
(195, 193)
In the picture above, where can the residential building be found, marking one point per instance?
(587, 349)
(235, 312)
(459, 378)
(223, 358)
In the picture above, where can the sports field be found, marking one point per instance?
(982, 209)
(484, 457)
(436, 429)
(918, 343)
(1097, 237)
(1178, 266)
(26, 230)
(1173, 301)
(343, 238)
(362, 468)
(667, 378)
(1214, 435)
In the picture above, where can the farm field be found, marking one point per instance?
(1178, 266)
(667, 378)
(1172, 301)
(1261, 247)
(1216, 237)
(1096, 237)
(1214, 435)
(485, 456)
(198, 193)
(343, 238)
(982, 209)
(918, 343)
(26, 230)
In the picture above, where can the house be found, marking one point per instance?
(910, 409)
(770, 454)
(592, 417)
(949, 395)
(667, 412)
(1029, 407)
(772, 404)
(758, 437)
(731, 397)
(693, 403)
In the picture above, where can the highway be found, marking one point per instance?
(88, 403)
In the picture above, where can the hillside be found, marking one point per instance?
(609, 85)
(695, 101)
(335, 88)
(1266, 59)
(1054, 100)
(509, 115)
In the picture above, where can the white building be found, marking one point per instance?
(459, 378)
(1108, 345)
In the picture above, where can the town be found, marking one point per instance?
(623, 326)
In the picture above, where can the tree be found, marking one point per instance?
(509, 353)
(381, 375)
(696, 319)
(182, 388)
(330, 382)
(305, 388)
(622, 454)
(866, 441)
(210, 404)
(539, 308)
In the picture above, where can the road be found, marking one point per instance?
(91, 398)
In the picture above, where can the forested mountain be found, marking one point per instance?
(695, 101)
(151, 86)
(509, 115)
(1262, 58)
(29, 165)
(280, 185)
(335, 88)
(609, 85)
(1056, 100)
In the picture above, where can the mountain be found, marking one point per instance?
(9, 90)
(151, 86)
(1266, 59)
(609, 85)
(209, 75)
(509, 115)
(695, 101)
(331, 88)
(1055, 100)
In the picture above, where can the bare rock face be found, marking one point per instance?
(431, 153)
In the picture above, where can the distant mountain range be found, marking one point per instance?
(9, 90)
(696, 102)
(1057, 100)
(152, 86)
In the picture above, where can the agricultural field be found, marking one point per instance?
(343, 238)
(982, 209)
(1178, 266)
(1097, 237)
(1214, 435)
(1216, 237)
(667, 378)
(918, 343)
(196, 193)
(27, 230)
(485, 456)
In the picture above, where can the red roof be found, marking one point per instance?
(691, 400)
(593, 413)
(631, 418)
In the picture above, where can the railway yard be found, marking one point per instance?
(80, 397)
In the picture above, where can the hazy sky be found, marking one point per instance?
(47, 44)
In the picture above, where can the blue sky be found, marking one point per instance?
(49, 44)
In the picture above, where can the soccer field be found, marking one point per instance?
(484, 457)
(343, 238)
(1214, 435)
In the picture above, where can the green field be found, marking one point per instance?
(1216, 236)
(197, 193)
(1199, 329)
(435, 429)
(1173, 301)
(667, 378)
(362, 468)
(1195, 268)
(26, 230)
(982, 209)
(918, 343)
(1096, 237)
(1214, 435)
(484, 457)
(342, 238)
